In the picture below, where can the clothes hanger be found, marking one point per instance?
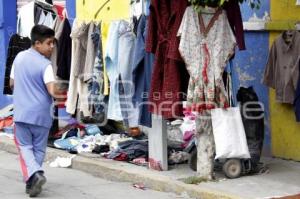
(64, 14)
(288, 34)
(44, 4)
(46, 7)
(207, 10)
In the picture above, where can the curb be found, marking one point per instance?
(122, 171)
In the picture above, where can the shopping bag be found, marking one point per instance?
(229, 133)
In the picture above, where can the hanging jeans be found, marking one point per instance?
(126, 86)
(111, 61)
(142, 71)
(96, 97)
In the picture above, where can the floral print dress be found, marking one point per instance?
(206, 44)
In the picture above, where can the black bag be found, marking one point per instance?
(253, 119)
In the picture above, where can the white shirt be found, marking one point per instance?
(48, 74)
(25, 20)
(46, 20)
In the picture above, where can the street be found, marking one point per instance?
(69, 184)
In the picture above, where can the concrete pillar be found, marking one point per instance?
(157, 135)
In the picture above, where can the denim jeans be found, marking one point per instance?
(142, 71)
(126, 86)
(96, 96)
(111, 61)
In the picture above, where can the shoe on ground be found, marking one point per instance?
(36, 183)
(27, 187)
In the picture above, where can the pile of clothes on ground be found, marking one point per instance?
(112, 141)
(109, 142)
(6, 120)
(115, 143)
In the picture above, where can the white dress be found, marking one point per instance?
(206, 44)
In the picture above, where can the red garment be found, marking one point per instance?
(121, 157)
(234, 16)
(5, 122)
(60, 10)
(61, 131)
(169, 78)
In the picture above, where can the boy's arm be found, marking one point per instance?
(52, 85)
(54, 91)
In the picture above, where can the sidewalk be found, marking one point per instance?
(282, 180)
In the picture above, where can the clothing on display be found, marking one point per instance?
(64, 47)
(126, 88)
(35, 12)
(16, 45)
(111, 60)
(142, 71)
(82, 62)
(235, 20)
(282, 69)
(96, 85)
(169, 78)
(26, 19)
(206, 61)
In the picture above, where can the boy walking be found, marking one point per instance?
(33, 83)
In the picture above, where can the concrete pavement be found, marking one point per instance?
(69, 184)
(282, 180)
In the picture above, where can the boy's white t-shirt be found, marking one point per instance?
(48, 74)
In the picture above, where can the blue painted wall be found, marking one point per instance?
(71, 8)
(8, 27)
(247, 12)
(248, 65)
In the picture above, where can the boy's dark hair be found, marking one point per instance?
(40, 33)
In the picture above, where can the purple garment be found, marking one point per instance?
(169, 78)
(235, 20)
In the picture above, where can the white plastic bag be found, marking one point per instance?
(229, 133)
(62, 162)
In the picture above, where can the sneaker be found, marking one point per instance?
(37, 181)
(67, 143)
(27, 187)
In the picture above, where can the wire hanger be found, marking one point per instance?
(64, 14)
(207, 10)
(138, 8)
